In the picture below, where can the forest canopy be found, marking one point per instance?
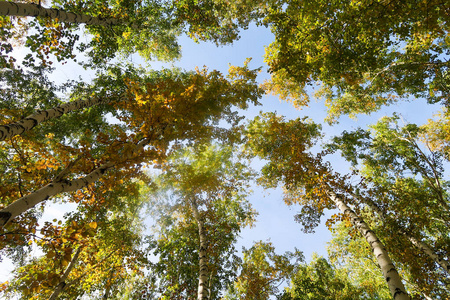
(131, 181)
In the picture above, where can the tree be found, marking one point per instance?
(350, 254)
(321, 280)
(203, 191)
(365, 54)
(150, 28)
(307, 180)
(31, 99)
(29, 122)
(170, 107)
(34, 10)
(404, 185)
(95, 248)
(124, 26)
(263, 271)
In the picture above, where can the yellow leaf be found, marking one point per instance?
(93, 225)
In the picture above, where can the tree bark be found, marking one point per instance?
(414, 240)
(390, 274)
(109, 282)
(62, 282)
(427, 249)
(202, 293)
(8, 131)
(59, 185)
(34, 10)
(55, 187)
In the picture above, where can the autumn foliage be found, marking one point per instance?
(89, 167)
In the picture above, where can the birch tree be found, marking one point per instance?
(62, 281)
(403, 183)
(33, 120)
(308, 181)
(125, 27)
(262, 272)
(95, 249)
(207, 208)
(36, 10)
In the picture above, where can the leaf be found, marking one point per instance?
(93, 225)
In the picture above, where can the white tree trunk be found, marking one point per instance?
(62, 282)
(415, 241)
(427, 249)
(55, 187)
(8, 131)
(34, 10)
(202, 293)
(60, 185)
(390, 274)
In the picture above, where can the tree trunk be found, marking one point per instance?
(415, 241)
(109, 285)
(59, 185)
(62, 282)
(106, 294)
(202, 293)
(34, 10)
(390, 274)
(54, 188)
(425, 248)
(8, 131)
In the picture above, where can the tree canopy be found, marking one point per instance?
(135, 181)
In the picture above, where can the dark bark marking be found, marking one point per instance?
(391, 270)
(398, 292)
(4, 217)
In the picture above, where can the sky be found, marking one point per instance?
(276, 220)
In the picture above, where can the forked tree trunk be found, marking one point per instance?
(390, 274)
(202, 292)
(445, 265)
(8, 131)
(62, 282)
(34, 10)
